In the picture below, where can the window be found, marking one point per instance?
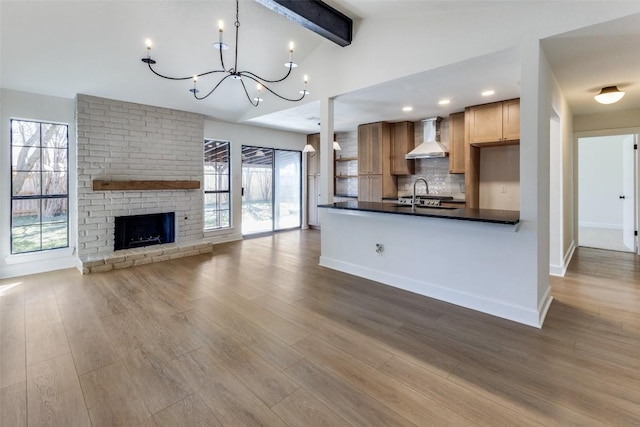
(217, 209)
(39, 186)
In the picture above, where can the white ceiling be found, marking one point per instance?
(590, 58)
(461, 83)
(100, 44)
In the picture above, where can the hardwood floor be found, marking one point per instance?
(258, 334)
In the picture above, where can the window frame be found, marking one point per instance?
(227, 191)
(38, 197)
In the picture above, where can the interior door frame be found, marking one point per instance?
(599, 133)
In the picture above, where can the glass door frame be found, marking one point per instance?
(273, 189)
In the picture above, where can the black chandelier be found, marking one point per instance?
(233, 72)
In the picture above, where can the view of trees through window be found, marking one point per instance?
(217, 210)
(271, 182)
(39, 186)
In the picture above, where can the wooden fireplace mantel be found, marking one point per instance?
(109, 185)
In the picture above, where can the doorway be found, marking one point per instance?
(271, 189)
(607, 192)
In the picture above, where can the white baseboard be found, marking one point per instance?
(543, 306)
(223, 238)
(474, 302)
(600, 225)
(561, 270)
(35, 267)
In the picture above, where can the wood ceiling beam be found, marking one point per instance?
(317, 16)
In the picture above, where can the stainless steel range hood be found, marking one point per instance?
(431, 147)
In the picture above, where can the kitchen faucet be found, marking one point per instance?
(413, 199)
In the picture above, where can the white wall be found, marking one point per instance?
(561, 202)
(569, 204)
(607, 120)
(600, 181)
(240, 135)
(535, 110)
(450, 33)
(22, 105)
(556, 224)
(446, 259)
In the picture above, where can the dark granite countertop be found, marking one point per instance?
(462, 214)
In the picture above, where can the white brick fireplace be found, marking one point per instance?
(122, 141)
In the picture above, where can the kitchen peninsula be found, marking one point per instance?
(463, 214)
(446, 254)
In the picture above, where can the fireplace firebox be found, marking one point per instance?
(135, 231)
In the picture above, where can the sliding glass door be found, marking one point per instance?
(271, 189)
(287, 189)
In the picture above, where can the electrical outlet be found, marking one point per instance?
(503, 189)
(379, 248)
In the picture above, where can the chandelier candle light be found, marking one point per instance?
(234, 73)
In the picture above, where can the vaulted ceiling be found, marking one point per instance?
(62, 48)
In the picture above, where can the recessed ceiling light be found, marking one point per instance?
(407, 108)
(488, 92)
(444, 101)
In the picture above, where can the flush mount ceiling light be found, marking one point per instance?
(233, 72)
(609, 95)
(407, 108)
(444, 102)
(488, 93)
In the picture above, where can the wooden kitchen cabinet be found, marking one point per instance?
(511, 120)
(493, 124)
(456, 142)
(402, 141)
(370, 188)
(313, 198)
(374, 159)
(374, 145)
(313, 181)
(487, 126)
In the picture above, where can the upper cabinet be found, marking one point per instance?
(375, 180)
(497, 123)
(374, 145)
(511, 120)
(313, 159)
(488, 125)
(402, 141)
(456, 142)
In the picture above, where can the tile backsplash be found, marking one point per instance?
(436, 172)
